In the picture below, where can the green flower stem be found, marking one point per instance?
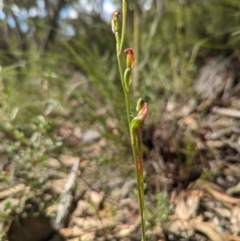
(119, 47)
(118, 39)
(137, 153)
(124, 20)
(126, 93)
(135, 125)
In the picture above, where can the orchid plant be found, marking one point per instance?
(135, 124)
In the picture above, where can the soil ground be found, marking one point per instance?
(192, 164)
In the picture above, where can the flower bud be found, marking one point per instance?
(143, 111)
(130, 57)
(116, 23)
(142, 108)
(140, 104)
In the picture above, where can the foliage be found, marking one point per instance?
(59, 69)
(173, 35)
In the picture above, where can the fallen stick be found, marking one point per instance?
(226, 112)
(12, 191)
(66, 198)
(209, 231)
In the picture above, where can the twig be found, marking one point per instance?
(226, 112)
(233, 145)
(12, 191)
(208, 231)
(223, 197)
(66, 198)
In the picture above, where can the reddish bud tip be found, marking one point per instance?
(130, 57)
(143, 112)
(116, 14)
(129, 51)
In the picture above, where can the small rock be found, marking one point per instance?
(235, 220)
(77, 132)
(90, 135)
(223, 212)
(83, 209)
(220, 181)
(96, 198)
(58, 185)
(69, 160)
(53, 163)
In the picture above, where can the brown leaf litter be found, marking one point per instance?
(193, 154)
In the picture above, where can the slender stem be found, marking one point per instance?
(126, 93)
(127, 100)
(136, 45)
(137, 153)
(124, 20)
(119, 47)
(118, 39)
(134, 129)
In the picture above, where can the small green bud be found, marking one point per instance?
(116, 23)
(140, 104)
(135, 124)
(142, 109)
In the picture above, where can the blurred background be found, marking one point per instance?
(61, 94)
(48, 47)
